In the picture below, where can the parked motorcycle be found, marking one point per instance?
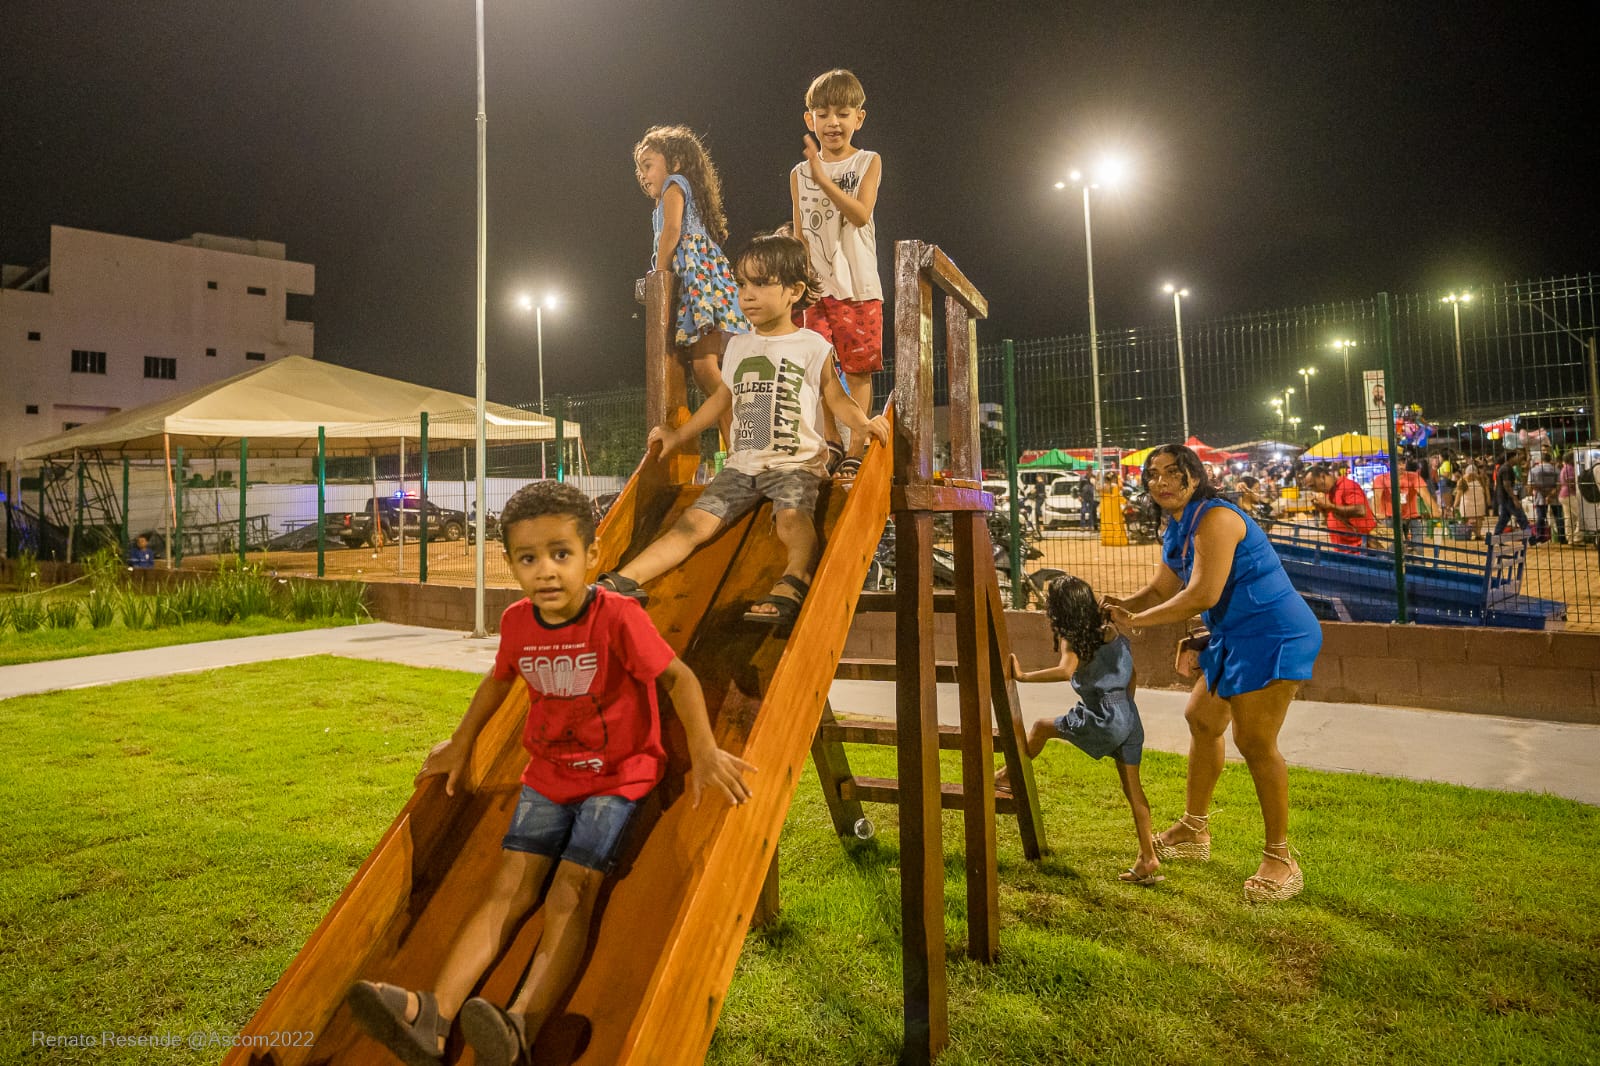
(1140, 515)
(881, 572)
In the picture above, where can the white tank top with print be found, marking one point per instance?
(844, 256)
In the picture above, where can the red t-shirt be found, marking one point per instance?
(1345, 494)
(593, 727)
(1410, 490)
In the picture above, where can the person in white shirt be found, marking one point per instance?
(775, 381)
(833, 193)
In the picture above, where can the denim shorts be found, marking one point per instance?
(588, 832)
(731, 493)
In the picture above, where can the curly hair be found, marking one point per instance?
(781, 259)
(1075, 616)
(685, 155)
(539, 499)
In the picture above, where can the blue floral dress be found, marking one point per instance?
(708, 300)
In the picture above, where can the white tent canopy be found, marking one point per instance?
(279, 408)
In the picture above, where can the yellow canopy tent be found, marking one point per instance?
(1346, 446)
(1137, 458)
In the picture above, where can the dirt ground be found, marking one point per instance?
(1555, 572)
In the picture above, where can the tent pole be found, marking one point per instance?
(244, 460)
(422, 530)
(169, 513)
(400, 511)
(377, 514)
(322, 500)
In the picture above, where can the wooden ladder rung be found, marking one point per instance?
(944, 602)
(885, 670)
(858, 731)
(887, 790)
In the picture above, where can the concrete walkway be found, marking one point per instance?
(1481, 751)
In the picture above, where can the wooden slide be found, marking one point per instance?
(672, 921)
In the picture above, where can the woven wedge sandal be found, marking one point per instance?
(1197, 850)
(1266, 890)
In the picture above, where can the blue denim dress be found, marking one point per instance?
(1106, 720)
(1261, 629)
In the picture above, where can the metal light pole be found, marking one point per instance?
(1183, 384)
(1455, 300)
(527, 302)
(1294, 427)
(1277, 403)
(1343, 347)
(1306, 374)
(1110, 171)
(478, 629)
(1287, 405)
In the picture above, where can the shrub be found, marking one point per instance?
(61, 614)
(101, 607)
(26, 615)
(138, 611)
(26, 568)
(105, 569)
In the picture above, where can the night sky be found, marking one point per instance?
(1278, 158)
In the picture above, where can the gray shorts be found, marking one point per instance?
(731, 493)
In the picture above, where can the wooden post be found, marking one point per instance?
(770, 901)
(977, 744)
(921, 846)
(666, 392)
(833, 770)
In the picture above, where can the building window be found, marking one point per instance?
(211, 351)
(256, 357)
(70, 425)
(31, 409)
(297, 306)
(211, 284)
(161, 368)
(33, 334)
(88, 362)
(255, 290)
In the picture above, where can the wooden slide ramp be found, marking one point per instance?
(672, 921)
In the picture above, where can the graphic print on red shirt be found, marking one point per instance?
(593, 726)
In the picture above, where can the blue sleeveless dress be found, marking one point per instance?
(1106, 720)
(708, 299)
(1261, 630)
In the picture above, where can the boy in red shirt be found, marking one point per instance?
(591, 659)
(1343, 503)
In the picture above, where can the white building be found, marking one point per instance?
(111, 322)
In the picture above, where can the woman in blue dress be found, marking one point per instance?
(1262, 644)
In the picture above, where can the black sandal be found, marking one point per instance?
(623, 586)
(835, 456)
(786, 608)
(498, 1036)
(848, 469)
(381, 1010)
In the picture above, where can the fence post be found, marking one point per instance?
(244, 522)
(123, 547)
(1008, 351)
(77, 521)
(322, 498)
(38, 534)
(422, 534)
(561, 437)
(177, 532)
(1391, 389)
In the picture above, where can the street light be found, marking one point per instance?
(1343, 347)
(1286, 404)
(1177, 315)
(1319, 429)
(1455, 300)
(528, 303)
(1294, 424)
(1108, 172)
(1277, 404)
(1306, 374)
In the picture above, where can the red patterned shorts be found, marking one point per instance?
(853, 327)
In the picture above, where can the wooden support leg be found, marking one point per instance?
(768, 903)
(1008, 717)
(977, 746)
(921, 846)
(833, 769)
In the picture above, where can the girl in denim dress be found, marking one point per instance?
(1099, 663)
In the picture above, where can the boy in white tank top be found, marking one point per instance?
(833, 193)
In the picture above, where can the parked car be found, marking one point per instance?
(1062, 503)
(354, 528)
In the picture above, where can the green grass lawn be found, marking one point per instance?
(43, 645)
(166, 846)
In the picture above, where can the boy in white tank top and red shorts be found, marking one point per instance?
(833, 193)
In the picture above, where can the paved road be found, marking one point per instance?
(1481, 751)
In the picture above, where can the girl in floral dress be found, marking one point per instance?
(676, 172)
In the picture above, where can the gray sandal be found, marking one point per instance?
(381, 1010)
(498, 1036)
(623, 586)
